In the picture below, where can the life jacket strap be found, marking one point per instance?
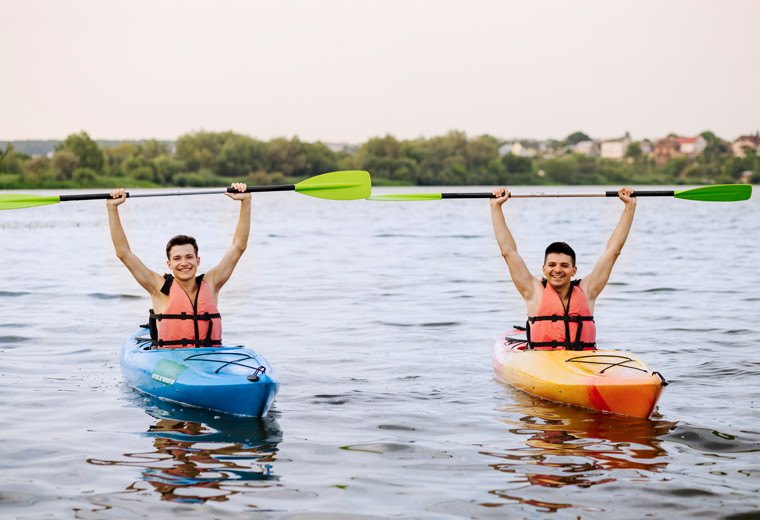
(186, 342)
(184, 316)
(554, 318)
(553, 345)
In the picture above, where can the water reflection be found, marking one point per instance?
(200, 455)
(569, 446)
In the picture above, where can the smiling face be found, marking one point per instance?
(558, 269)
(183, 262)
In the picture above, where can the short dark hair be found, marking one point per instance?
(181, 240)
(562, 248)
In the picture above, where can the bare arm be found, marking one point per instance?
(594, 283)
(149, 280)
(219, 275)
(527, 284)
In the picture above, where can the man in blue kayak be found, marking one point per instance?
(184, 312)
(560, 309)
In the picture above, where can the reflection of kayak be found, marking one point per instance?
(605, 380)
(186, 423)
(233, 380)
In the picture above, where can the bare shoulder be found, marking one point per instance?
(160, 302)
(533, 296)
(593, 283)
(211, 279)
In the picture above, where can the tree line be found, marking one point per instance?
(218, 158)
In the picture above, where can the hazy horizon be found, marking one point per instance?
(340, 71)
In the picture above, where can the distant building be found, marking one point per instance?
(589, 148)
(691, 145)
(746, 143)
(665, 149)
(342, 147)
(615, 148)
(505, 148)
(517, 149)
(646, 146)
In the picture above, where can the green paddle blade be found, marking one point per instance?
(718, 193)
(345, 185)
(19, 200)
(407, 196)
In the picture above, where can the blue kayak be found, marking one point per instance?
(234, 380)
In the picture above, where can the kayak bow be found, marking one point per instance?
(605, 380)
(234, 380)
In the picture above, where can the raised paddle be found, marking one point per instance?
(718, 192)
(344, 185)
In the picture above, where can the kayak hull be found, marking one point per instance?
(233, 380)
(605, 380)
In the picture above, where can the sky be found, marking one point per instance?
(345, 71)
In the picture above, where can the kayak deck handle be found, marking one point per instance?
(225, 362)
(664, 382)
(253, 378)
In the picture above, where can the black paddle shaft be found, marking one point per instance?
(249, 189)
(606, 194)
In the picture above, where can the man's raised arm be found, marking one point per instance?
(149, 280)
(593, 284)
(219, 275)
(526, 283)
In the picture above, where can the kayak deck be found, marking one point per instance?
(606, 380)
(233, 380)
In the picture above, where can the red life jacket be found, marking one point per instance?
(555, 327)
(184, 323)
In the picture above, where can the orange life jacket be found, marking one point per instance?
(557, 327)
(185, 323)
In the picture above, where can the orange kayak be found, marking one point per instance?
(606, 380)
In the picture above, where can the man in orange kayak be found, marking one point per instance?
(184, 312)
(560, 310)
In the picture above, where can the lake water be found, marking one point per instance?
(379, 318)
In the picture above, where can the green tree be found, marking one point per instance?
(633, 151)
(200, 150)
(480, 151)
(166, 168)
(240, 155)
(89, 153)
(454, 172)
(151, 148)
(576, 137)
(716, 150)
(675, 166)
(63, 165)
(735, 166)
(115, 156)
(561, 169)
(84, 175)
(138, 167)
(36, 169)
(516, 164)
(402, 169)
(319, 159)
(375, 148)
(8, 149)
(285, 156)
(12, 161)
